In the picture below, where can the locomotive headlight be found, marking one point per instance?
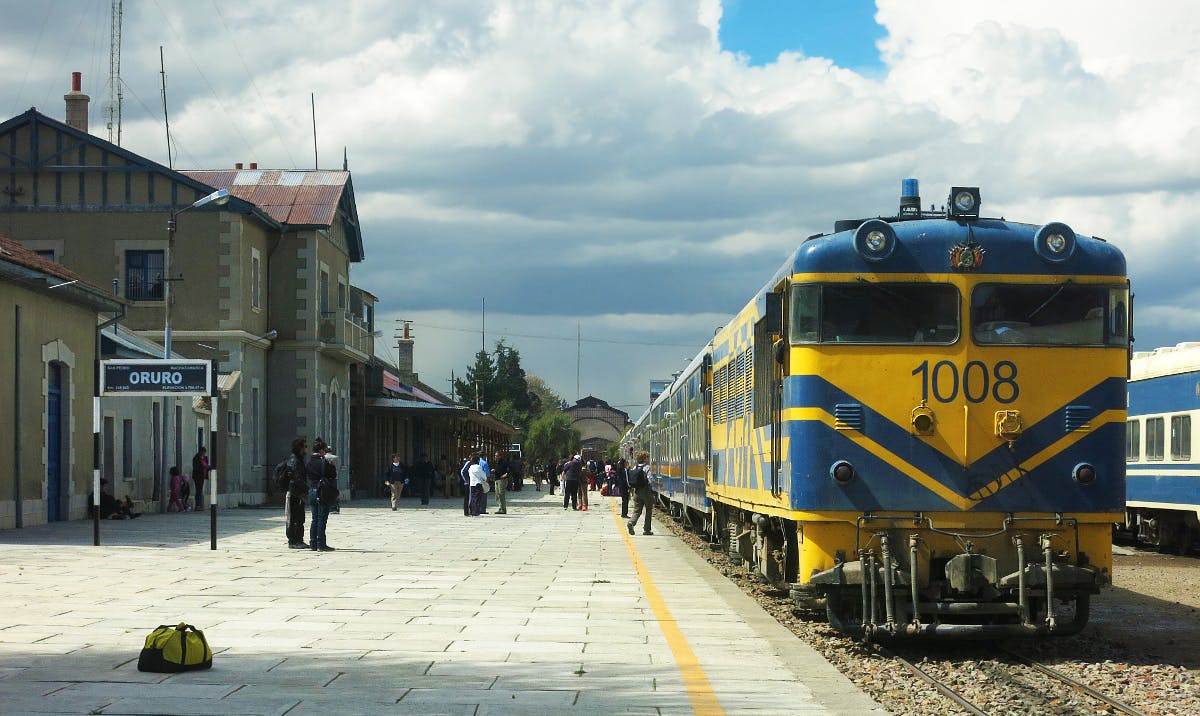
(875, 240)
(964, 201)
(841, 472)
(1055, 242)
(1084, 473)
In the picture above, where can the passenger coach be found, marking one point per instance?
(916, 424)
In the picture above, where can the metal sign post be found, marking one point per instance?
(174, 377)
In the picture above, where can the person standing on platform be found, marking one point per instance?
(200, 468)
(177, 482)
(464, 477)
(621, 485)
(478, 480)
(639, 480)
(315, 470)
(393, 479)
(500, 470)
(422, 475)
(487, 474)
(572, 473)
(297, 495)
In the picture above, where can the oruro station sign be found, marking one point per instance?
(171, 377)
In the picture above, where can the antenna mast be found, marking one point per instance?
(115, 92)
(162, 70)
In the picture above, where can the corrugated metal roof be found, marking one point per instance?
(300, 198)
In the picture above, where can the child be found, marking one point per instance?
(179, 491)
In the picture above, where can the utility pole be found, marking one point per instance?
(483, 328)
(115, 94)
(578, 357)
(452, 398)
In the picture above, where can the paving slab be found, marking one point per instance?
(420, 610)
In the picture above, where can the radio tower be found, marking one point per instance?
(115, 98)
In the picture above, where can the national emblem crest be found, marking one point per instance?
(966, 256)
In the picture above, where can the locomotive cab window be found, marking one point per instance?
(866, 312)
(1065, 314)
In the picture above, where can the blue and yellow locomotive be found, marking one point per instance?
(917, 424)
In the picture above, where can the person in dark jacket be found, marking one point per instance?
(621, 485)
(422, 477)
(572, 471)
(200, 468)
(643, 497)
(394, 479)
(297, 495)
(316, 469)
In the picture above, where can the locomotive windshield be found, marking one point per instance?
(865, 312)
(1065, 314)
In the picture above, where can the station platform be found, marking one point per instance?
(419, 611)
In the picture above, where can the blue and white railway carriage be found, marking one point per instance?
(1163, 476)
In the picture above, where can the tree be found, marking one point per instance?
(551, 437)
(474, 390)
(543, 398)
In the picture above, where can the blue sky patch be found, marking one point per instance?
(841, 30)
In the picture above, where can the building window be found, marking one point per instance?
(255, 281)
(1133, 440)
(144, 275)
(1181, 437)
(127, 448)
(324, 292)
(233, 422)
(47, 254)
(254, 426)
(341, 296)
(1154, 439)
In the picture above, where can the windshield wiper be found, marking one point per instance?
(1048, 301)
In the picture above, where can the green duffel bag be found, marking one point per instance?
(175, 648)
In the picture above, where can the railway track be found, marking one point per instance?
(1114, 705)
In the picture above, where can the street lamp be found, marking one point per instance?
(218, 197)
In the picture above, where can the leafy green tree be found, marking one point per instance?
(551, 437)
(543, 398)
(475, 389)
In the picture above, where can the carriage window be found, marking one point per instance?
(1181, 437)
(1064, 314)
(1133, 440)
(1154, 439)
(866, 312)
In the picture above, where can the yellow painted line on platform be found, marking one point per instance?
(699, 690)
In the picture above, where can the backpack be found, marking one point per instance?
(170, 649)
(638, 479)
(327, 489)
(284, 472)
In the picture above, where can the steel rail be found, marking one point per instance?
(1082, 688)
(941, 686)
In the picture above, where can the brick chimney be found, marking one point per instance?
(404, 355)
(77, 104)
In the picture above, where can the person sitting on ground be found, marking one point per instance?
(109, 507)
(126, 509)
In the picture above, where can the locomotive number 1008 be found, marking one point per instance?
(976, 381)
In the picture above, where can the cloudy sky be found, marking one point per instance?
(629, 171)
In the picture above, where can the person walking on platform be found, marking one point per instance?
(500, 471)
(585, 482)
(478, 481)
(296, 496)
(393, 479)
(621, 485)
(639, 481)
(571, 472)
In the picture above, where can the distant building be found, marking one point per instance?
(597, 422)
(657, 388)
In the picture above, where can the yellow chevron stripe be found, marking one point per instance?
(1066, 441)
(963, 503)
(879, 451)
